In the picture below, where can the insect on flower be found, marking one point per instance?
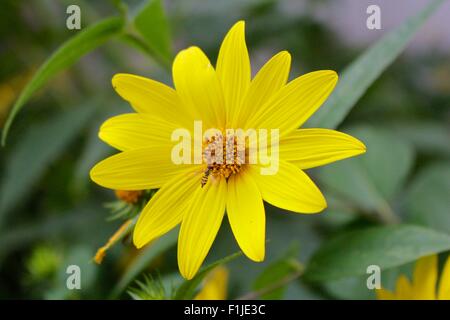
(197, 195)
(206, 175)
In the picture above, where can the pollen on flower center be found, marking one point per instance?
(222, 158)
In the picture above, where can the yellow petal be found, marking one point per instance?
(166, 208)
(308, 148)
(425, 278)
(233, 69)
(215, 286)
(138, 169)
(246, 214)
(135, 131)
(199, 88)
(384, 294)
(292, 105)
(200, 225)
(271, 78)
(404, 289)
(444, 283)
(149, 96)
(290, 189)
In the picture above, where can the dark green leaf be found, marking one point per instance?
(152, 24)
(349, 288)
(428, 198)
(350, 254)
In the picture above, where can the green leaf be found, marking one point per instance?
(371, 180)
(149, 253)
(360, 74)
(349, 288)
(276, 272)
(66, 55)
(152, 24)
(188, 289)
(40, 145)
(428, 198)
(351, 253)
(120, 6)
(426, 136)
(338, 213)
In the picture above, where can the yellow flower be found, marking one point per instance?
(215, 285)
(423, 285)
(197, 195)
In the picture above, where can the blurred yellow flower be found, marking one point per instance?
(197, 195)
(215, 285)
(424, 282)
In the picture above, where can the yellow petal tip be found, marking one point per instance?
(330, 75)
(188, 52)
(138, 244)
(240, 24)
(359, 145)
(114, 80)
(321, 205)
(257, 258)
(118, 77)
(334, 76)
(187, 275)
(193, 48)
(92, 174)
(363, 148)
(283, 55)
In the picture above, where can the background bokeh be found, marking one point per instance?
(52, 215)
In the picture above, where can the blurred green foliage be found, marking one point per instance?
(51, 215)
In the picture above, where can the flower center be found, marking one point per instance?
(223, 156)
